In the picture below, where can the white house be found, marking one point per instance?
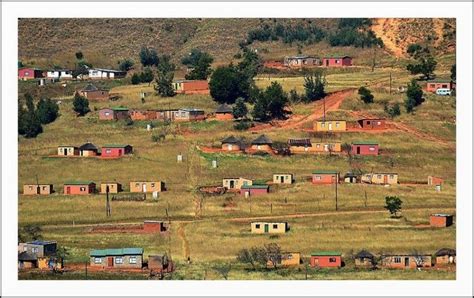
(59, 74)
(100, 73)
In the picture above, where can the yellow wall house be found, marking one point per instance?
(326, 147)
(288, 259)
(142, 186)
(37, 189)
(283, 178)
(235, 183)
(330, 125)
(114, 187)
(380, 178)
(269, 227)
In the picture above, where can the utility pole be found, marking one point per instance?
(337, 182)
(373, 59)
(108, 211)
(390, 90)
(365, 202)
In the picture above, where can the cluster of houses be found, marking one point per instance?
(39, 254)
(90, 150)
(31, 73)
(121, 113)
(307, 61)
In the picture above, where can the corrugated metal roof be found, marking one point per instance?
(326, 253)
(77, 182)
(223, 108)
(258, 186)
(115, 146)
(365, 143)
(325, 172)
(116, 252)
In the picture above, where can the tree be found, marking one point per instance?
(126, 64)
(32, 232)
(136, 79)
(200, 63)
(79, 55)
(31, 125)
(453, 73)
(314, 86)
(147, 76)
(148, 57)
(62, 252)
(47, 111)
(247, 256)
(223, 270)
(273, 254)
(80, 105)
(225, 85)
(271, 103)
(79, 71)
(22, 118)
(240, 109)
(365, 95)
(20, 64)
(164, 80)
(393, 110)
(347, 148)
(426, 66)
(414, 96)
(393, 204)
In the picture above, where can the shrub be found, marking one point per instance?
(243, 125)
(80, 105)
(365, 95)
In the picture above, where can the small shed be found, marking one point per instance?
(117, 258)
(254, 190)
(114, 113)
(232, 144)
(432, 180)
(269, 227)
(372, 123)
(441, 220)
(27, 260)
(91, 92)
(283, 178)
(262, 143)
(351, 178)
(37, 189)
(147, 186)
(191, 86)
(330, 125)
(224, 112)
(160, 263)
(365, 148)
(28, 73)
(445, 256)
(113, 187)
(433, 85)
(116, 150)
(326, 259)
(337, 61)
(88, 149)
(364, 259)
(155, 226)
(236, 183)
(79, 187)
(66, 150)
(325, 177)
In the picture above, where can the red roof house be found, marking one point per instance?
(326, 259)
(116, 150)
(337, 61)
(365, 148)
(28, 73)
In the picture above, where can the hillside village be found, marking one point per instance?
(317, 151)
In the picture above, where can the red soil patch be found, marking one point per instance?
(136, 229)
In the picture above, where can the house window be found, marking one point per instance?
(337, 124)
(44, 187)
(97, 260)
(259, 147)
(392, 176)
(132, 260)
(337, 61)
(332, 260)
(318, 145)
(31, 187)
(108, 151)
(118, 260)
(371, 148)
(432, 85)
(153, 185)
(257, 226)
(25, 248)
(137, 184)
(444, 86)
(317, 177)
(83, 189)
(379, 123)
(107, 113)
(322, 124)
(34, 250)
(275, 226)
(397, 259)
(379, 176)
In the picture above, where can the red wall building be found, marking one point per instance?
(191, 87)
(325, 177)
(365, 148)
(254, 190)
(29, 73)
(432, 86)
(326, 259)
(154, 226)
(370, 124)
(441, 220)
(337, 61)
(79, 187)
(116, 150)
(117, 113)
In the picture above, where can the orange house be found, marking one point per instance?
(433, 85)
(325, 177)
(432, 180)
(79, 187)
(440, 220)
(191, 87)
(224, 112)
(326, 259)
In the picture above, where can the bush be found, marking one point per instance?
(80, 105)
(225, 85)
(243, 125)
(365, 95)
(135, 79)
(393, 110)
(47, 111)
(414, 96)
(125, 65)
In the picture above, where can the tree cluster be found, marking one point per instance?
(314, 86)
(424, 62)
(414, 96)
(269, 254)
(200, 64)
(365, 95)
(270, 103)
(392, 110)
(125, 65)
(146, 76)
(80, 105)
(30, 120)
(148, 57)
(308, 33)
(165, 76)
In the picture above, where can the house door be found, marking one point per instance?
(358, 150)
(65, 151)
(266, 229)
(120, 152)
(327, 62)
(231, 184)
(282, 179)
(326, 147)
(144, 187)
(38, 190)
(407, 262)
(110, 262)
(385, 179)
(329, 126)
(68, 190)
(229, 147)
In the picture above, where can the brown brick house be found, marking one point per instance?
(441, 220)
(445, 256)
(224, 112)
(91, 92)
(232, 144)
(262, 143)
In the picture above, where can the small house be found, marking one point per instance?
(445, 256)
(351, 178)
(120, 258)
(433, 85)
(115, 113)
(88, 149)
(300, 145)
(330, 126)
(287, 259)
(254, 190)
(365, 148)
(301, 61)
(380, 178)
(191, 87)
(147, 186)
(372, 124)
(155, 226)
(110, 187)
(274, 64)
(59, 74)
(325, 177)
(236, 183)
(364, 259)
(224, 112)
(68, 150)
(189, 114)
(165, 114)
(441, 220)
(411, 261)
(28, 73)
(137, 115)
(101, 74)
(37, 189)
(39, 248)
(262, 143)
(91, 92)
(337, 61)
(320, 147)
(79, 187)
(27, 260)
(283, 178)
(326, 259)
(269, 227)
(116, 150)
(160, 263)
(38, 254)
(432, 180)
(232, 144)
